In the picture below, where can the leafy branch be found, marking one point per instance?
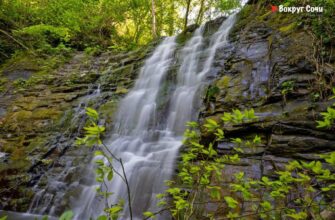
(92, 137)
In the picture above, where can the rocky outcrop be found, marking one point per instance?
(270, 67)
(40, 119)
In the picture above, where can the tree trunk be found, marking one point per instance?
(171, 18)
(154, 22)
(201, 12)
(186, 14)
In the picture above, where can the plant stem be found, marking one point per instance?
(124, 178)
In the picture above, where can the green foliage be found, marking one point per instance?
(231, 202)
(149, 215)
(40, 39)
(49, 26)
(238, 117)
(212, 92)
(68, 215)
(228, 5)
(328, 117)
(287, 87)
(104, 164)
(297, 191)
(95, 50)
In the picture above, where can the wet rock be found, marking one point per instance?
(266, 51)
(39, 124)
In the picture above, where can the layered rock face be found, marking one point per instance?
(39, 123)
(271, 66)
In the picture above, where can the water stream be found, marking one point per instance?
(147, 132)
(148, 143)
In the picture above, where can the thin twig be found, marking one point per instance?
(124, 178)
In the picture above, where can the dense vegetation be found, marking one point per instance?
(46, 26)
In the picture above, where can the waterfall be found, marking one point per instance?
(147, 132)
(184, 100)
(147, 142)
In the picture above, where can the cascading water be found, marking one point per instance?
(148, 133)
(148, 143)
(133, 139)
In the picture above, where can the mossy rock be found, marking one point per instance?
(121, 90)
(19, 116)
(107, 110)
(183, 37)
(37, 145)
(46, 113)
(223, 82)
(30, 103)
(288, 28)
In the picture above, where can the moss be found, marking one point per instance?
(30, 103)
(46, 113)
(20, 116)
(107, 110)
(288, 28)
(223, 82)
(37, 144)
(123, 71)
(264, 16)
(121, 90)
(3, 81)
(19, 61)
(242, 19)
(66, 119)
(183, 37)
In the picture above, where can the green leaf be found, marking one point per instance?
(68, 215)
(211, 124)
(160, 195)
(192, 124)
(102, 217)
(239, 176)
(110, 175)
(232, 215)
(237, 116)
(317, 168)
(181, 204)
(115, 209)
(211, 151)
(266, 181)
(98, 153)
(295, 165)
(331, 158)
(3, 218)
(257, 140)
(219, 134)
(148, 214)
(298, 216)
(215, 192)
(237, 140)
(232, 203)
(266, 205)
(161, 203)
(92, 114)
(227, 117)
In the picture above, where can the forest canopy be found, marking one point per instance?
(44, 27)
(50, 26)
